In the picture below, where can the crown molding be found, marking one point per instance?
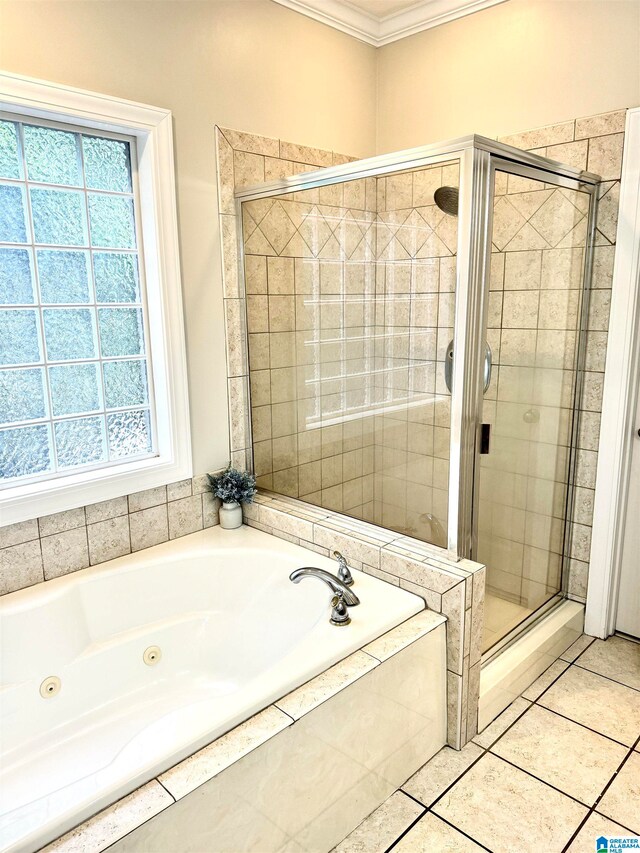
(423, 15)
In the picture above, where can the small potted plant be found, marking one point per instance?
(234, 488)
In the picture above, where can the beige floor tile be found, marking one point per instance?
(441, 771)
(564, 754)
(621, 802)
(596, 702)
(535, 690)
(432, 834)
(615, 658)
(382, 827)
(492, 732)
(576, 648)
(596, 826)
(507, 810)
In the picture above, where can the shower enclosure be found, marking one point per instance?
(416, 329)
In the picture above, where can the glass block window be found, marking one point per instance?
(75, 380)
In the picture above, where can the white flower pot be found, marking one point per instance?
(230, 516)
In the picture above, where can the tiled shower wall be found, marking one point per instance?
(540, 275)
(410, 446)
(311, 316)
(349, 311)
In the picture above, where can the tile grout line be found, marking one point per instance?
(407, 829)
(455, 781)
(582, 725)
(438, 817)
(538, 779)
(621, 765)
(608, 678)
(486, 750)
(557, 713)
(592, 810)
(461, 831)
(158, 780)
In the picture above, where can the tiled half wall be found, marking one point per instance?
(313, 463)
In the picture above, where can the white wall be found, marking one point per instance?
(248, 64)
(512, 67)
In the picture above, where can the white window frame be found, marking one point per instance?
(152, 129)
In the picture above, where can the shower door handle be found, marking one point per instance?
(485, 438)
(448, 367)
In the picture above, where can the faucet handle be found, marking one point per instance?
(343, 569)
(339, 610)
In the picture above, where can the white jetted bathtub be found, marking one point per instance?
(113, 674)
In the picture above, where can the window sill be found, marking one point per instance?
(32, 500)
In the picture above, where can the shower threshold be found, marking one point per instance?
(515, 663)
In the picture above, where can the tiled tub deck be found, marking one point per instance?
(302, 773)
(453, 588)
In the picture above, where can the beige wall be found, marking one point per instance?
(522, 64)
(253, 65)
(249, 64)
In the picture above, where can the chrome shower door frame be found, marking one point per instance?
(549, 173)
(479, 157)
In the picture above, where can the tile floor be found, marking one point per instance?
(556, 770)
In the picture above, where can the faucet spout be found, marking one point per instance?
(336, 586)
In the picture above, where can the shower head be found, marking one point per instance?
(447, 200)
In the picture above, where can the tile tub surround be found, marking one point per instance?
(45, 548)
(305, 779)
(533, 779)
(231, 643)
(455, 589)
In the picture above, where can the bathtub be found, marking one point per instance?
(112, 674)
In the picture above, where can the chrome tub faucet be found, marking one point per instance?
(343, 569)
(343, 597)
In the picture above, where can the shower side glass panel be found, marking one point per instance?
(539, 240)
(350, 309)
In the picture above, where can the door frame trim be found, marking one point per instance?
(619, 399)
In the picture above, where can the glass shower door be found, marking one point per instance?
(351, 292)
(538, 242)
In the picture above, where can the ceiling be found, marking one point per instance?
(379, 22)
